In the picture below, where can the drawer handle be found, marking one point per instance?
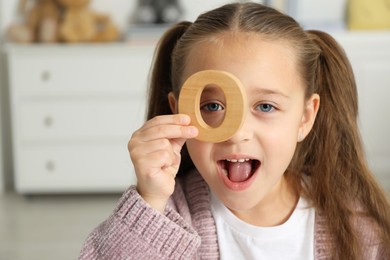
(50, 166)
(45, 76)
(48, 121)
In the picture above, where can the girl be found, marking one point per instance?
(292, 183)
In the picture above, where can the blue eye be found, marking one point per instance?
(266, 107)
(212, 107)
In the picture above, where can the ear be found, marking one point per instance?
(173, 102)
(309, 115)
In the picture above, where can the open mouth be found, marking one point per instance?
(239, 170)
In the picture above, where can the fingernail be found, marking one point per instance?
(193, 130)
(184, 119)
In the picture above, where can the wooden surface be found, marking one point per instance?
(235, 107)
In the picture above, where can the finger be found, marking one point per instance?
(175, 119)
(177, 145)
(143, 153)
(150, 166)
(144, 149)
(166, 132)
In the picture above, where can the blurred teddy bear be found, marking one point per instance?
(38, 21)
(48, 21)
(79, 24)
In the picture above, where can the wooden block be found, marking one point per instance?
(235, 107)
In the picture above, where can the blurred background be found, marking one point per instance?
(73, 77)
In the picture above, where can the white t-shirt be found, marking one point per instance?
(237, 239)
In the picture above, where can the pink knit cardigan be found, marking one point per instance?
(187, 229)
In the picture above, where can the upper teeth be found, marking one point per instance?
(237, 160)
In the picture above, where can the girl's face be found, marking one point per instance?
(246, 172)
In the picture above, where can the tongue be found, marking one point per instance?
(239, 172)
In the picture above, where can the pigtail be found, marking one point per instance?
(161, 80)
(332, 154)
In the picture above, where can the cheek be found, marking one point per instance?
(281, 144)
(280, 141)
(199, 152)
(283, 130)
(193, 146)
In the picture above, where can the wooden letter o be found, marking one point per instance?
(235, 107)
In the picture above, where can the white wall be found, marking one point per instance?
(2, 170)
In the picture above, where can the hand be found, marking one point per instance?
(155, 152)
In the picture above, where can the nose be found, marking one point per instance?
(245, 133)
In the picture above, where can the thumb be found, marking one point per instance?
(177, 143)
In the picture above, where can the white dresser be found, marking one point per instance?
(73, 110)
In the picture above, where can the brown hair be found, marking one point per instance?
(332, 153)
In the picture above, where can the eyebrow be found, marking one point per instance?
(265, 91)
(256, 91)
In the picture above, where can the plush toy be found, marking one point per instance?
(36, 23)
(79, 24)
(44, 20)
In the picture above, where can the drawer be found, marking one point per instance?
(72, 71)
(74, 168)
(79, 120)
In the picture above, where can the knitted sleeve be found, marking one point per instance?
(136, 231)
(368, 233)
